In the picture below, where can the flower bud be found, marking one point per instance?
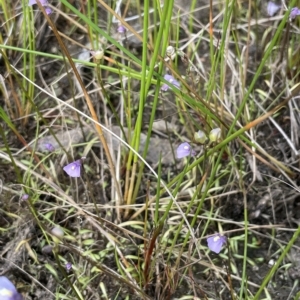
(170, 51)
(200, 137)
(98, 54)
(215, 135)
(68, 266)
(57, 232)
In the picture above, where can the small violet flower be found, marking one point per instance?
(24, 197)
(121, 28)
(48, 10)
(8, 290)
(73, 169)
(272, 8)
(172, 80)
(43, 3)
(185, 149)
(216, 242)
(49, 147)
(294, 13)
(68, 266)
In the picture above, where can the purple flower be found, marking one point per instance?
(121, 28)
(294, 12)
(48, 10)
(73, 169)
(272, 8)
(24, 197)
(8, 290)
(49, 147)
(68, 266)
(184, 150)
(216, 242)
(172, 80)
(43, 3)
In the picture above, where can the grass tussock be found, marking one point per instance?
(150, 151)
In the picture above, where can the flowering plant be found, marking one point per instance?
(7, 290)
(216, 242)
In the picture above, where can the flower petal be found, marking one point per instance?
(43, 2)
(170, 79)
(8, 290)
(185, 149)
(49, 147)
(294, 12)
(121, 28)
(272, 8)
(48, 10)
(216, 242)
(31, 2)
(68, 266)
(73, 169)
(24, 197)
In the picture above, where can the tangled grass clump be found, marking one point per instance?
(149, 151)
